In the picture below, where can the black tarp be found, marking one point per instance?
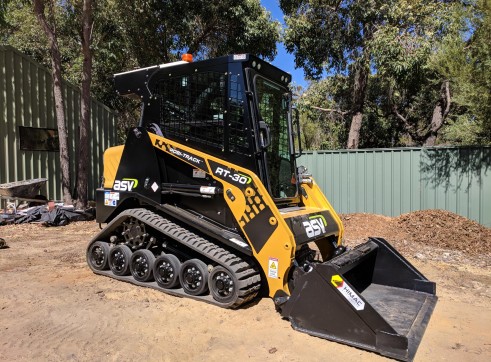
(58, 216)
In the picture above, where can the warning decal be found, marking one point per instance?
(111, 198)
(348, 293)
(273, 268)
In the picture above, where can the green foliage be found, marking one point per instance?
(408, 48)
(129, 34)
(326, 121)
(464, 57)
(19, 18)
(463, 129)
(156, 31)
(229, 26)
(400, 98)
(327, 35)
(402, 44)
(3, 10)
(323, 123)
(24, 33)
(333, 35)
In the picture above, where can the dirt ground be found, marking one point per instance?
(53, 308)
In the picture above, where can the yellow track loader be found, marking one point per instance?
(205, 200)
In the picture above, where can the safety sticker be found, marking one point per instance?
(273, 268)
(111, 198)
(348, 293)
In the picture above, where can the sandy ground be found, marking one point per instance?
(53, 308)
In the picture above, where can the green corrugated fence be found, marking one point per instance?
(395, 181)
(26, 100)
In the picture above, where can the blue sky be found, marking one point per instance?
(284, 60)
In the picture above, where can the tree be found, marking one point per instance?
(418, 95)
(129, 34)
(439, 82)
(83, 162)
(364, 40)
(49, 28)
(206, 29)
(324, 108)
(464, 57)
(333, 36)
(422, 108)
(163, 31)
(230, 26)
(323, 116)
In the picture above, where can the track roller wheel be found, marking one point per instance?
(166, 271)
(98, 255)
(141, 265)
(119, 260)
(223, 285)
(194, 277)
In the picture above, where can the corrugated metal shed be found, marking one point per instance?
(26, 100)
(395, 181)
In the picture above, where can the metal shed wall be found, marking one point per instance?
(26, 99)
(395, 181)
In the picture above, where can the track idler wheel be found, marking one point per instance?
(119, 260)
(141, 265)
(166, 271)
(223, 285)
(194, 277)
(98, 255)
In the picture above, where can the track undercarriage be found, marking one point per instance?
(146, 249)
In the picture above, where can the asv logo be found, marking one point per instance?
(127, 184)
(315, 226)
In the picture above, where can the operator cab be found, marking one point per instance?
(237, 108)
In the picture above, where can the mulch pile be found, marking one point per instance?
(446, 230)
(432, 228)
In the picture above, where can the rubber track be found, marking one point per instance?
(247, 275)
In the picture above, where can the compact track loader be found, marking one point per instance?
(205, 201)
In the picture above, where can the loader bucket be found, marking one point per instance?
(369, 297)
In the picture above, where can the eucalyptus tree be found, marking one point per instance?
(464, 57)
(121, 35)
(364, 40)
(47, 23)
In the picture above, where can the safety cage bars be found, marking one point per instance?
(201, 108)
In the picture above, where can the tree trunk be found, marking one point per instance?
(50, 32)
(83, 161)
(436, 122)
(359, 92)
(354, 132)
(440, 113)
